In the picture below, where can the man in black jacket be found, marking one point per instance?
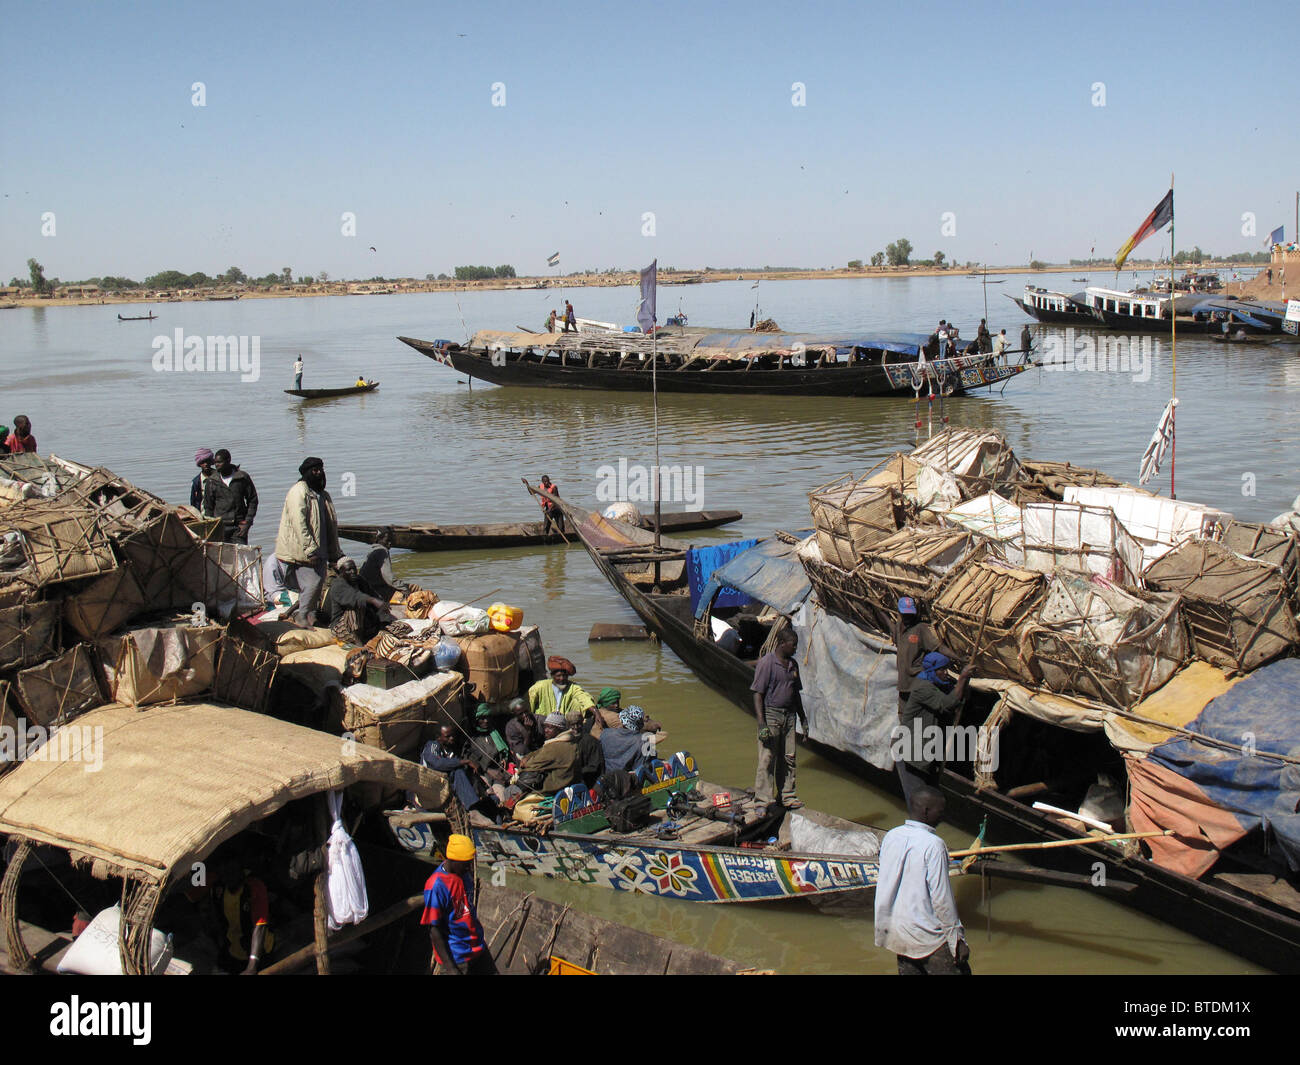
(229, 494)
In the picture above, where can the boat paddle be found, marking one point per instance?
(1111, 838)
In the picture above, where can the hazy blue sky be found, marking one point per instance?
(613, 110)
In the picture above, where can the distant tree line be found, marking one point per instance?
(483, 273)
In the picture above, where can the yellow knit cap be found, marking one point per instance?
(460, 849)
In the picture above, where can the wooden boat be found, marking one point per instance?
(1240, 338)
(138, 318)
(431, 537)
(692, 850)
(219, 298)
(735, 362)
(1239, 905)
(330, 393)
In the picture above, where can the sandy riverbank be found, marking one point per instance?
(576, 281)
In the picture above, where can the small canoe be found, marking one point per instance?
(138, 318)
(329, 393)
(431, 537)
(1239, 338)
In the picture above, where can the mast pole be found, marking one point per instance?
(1173, 339)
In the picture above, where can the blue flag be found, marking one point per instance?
(1276, 237)
(645, 314)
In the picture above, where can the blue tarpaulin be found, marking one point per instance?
(703, 562)
(769, 572)
(1259, 713)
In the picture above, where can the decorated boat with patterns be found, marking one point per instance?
(699, 842)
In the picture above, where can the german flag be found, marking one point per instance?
(1155, 221)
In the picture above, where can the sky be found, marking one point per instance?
(698, 134)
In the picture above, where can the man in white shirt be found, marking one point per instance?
(1000, 343)
(916, 914)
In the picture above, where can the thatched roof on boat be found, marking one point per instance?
(175, 781)
(700, 343)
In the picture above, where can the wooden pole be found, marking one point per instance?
(1173, 342)
(393, 913)
(320, 926)
(1113, 837)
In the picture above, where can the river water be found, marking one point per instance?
(427, 447)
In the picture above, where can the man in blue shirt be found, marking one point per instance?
(455, 932)
(916, 913)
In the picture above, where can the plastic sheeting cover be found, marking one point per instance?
(769, 571)
(850, 685)
(808, 837)
(1256, 790)
(702, 562)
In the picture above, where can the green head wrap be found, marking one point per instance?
(608, 697)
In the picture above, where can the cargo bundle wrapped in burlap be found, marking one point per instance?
(1074, 536)
(244, 674)
(399, 720)
(913, 562)
(105, 604)
(995, 520)
(1157, 523)
(15, 591)
(980, 459)
(50, 544)
(160, 664)
(168, 561)
(851, 514)
(29, 633)
(30, 476)
(1273, 544)
(59, 689)
(981, 611)
(1238, 609)
(1054, 477)
(232, 578)
(842, 592)
(121, 507)
(1097, 640)
(492, 665)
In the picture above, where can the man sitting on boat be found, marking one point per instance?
(591, 757)
(628, 747)
(361, 381)
(609, 709)
(445, 755)
(377, 569)
(553, 766)
(345, 607)
(523, 734)
(558, 694)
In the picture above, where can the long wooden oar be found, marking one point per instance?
(1058, 843)
(554, 499)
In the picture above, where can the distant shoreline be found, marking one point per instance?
(538, 284)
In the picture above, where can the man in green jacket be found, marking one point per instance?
(558, 694)
(308, 541)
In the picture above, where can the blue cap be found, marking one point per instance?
(907, 605)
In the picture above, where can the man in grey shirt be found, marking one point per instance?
(777, 702)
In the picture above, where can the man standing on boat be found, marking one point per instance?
(203, 460)
(933, 699)
(777, 703)
(308, 540)
(229, 494)
(455, 932)
(914, 639)
(570, 319)
(1026, 343)
(297, 373)
(552, 515)
(983, 338)
(916, 913)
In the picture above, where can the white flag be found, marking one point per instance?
(645, 314)
(1161, 441)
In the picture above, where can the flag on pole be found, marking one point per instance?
(554, 260)
(1160, 443)
(1276, 237)
(754, 285)
(645, 314)
(1154, 222)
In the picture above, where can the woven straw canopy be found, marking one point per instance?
(176, 781)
